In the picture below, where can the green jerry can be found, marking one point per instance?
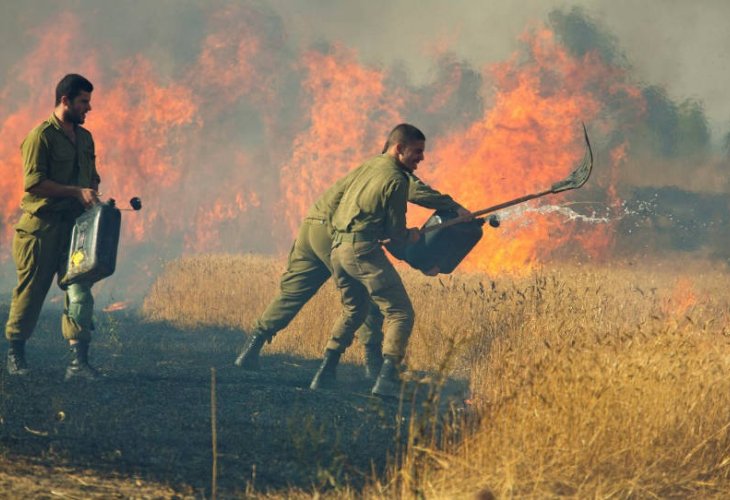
(445, 247)
(94, 241)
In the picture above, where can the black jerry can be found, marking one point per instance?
(445, 247)
(92, 255)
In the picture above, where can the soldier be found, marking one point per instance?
(309, 267)
(60, 181)
(372, 210)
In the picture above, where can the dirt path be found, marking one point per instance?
(149, 420)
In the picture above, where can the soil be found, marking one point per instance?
(145, 429)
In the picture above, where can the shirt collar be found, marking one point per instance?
(53, 120)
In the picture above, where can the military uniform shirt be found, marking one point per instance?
(419, 193)
(374, 202)
(48, 153)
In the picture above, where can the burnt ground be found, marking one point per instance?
(149, 420)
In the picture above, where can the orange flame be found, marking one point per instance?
(116, 306)
(528, 140)
(138, 124)
(52, 52)
(682, 297)
(227, 157)
(349, 110)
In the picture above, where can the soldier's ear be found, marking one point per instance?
(65, 100)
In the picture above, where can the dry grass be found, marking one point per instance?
(24, 479)
(587, 381)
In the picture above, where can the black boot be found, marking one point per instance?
(326, 376)
(373, 361)
(79, 368)
(249, 357)
(389, 382)
(17, 365)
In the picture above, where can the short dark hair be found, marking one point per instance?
(404, 133)
(72, 85)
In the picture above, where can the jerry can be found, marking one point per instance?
(445, 247)
(92, 255)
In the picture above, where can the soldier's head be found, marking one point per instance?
(73, 98)
(406, 144)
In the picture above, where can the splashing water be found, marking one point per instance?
(517, 214)
(635, 212)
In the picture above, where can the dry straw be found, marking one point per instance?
(585, 381)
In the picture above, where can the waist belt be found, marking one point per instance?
(56, 217)
(354, 237)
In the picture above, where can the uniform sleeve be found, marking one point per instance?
(395, 210)
(334, 196)
(35, 153)
(424, 195)
(94, 173)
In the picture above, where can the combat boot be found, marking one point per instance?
(373, 361)
(326, 376)
(79, 368)
(389, 382)
(17, 366)
(249, 357)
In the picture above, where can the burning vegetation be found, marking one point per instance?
(231, 144)
(595, 365)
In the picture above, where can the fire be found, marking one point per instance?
(682, 297)
(138, 125)
(116, 306)
(233, 63)
(345, 97)
(53, 51)
(528, 140)
(229, 148)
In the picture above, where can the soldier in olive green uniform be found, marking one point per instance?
(60, 180)
(372, 210)
(309, 267)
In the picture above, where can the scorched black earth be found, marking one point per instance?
(150, 417)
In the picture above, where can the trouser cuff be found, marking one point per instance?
(333, 345)
(73, 331)
(15, 335)
(394, 353)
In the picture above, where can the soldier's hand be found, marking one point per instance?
(88, 197)
(463, 212)
(414, 234)
(432, 272)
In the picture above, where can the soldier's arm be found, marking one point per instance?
(396, 198)
(95, 179)
(36, 153)
(51, 189)
(424, 195)
(334, 196)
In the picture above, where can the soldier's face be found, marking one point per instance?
(75, 111)
(411, 154)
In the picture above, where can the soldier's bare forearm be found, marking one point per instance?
(51, 189)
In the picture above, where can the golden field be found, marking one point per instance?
(605, 380)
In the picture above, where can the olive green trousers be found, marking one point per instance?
(363, 275)
(307, 269)
(40, 252)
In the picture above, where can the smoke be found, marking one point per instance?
(581, 35)
(229, 118)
